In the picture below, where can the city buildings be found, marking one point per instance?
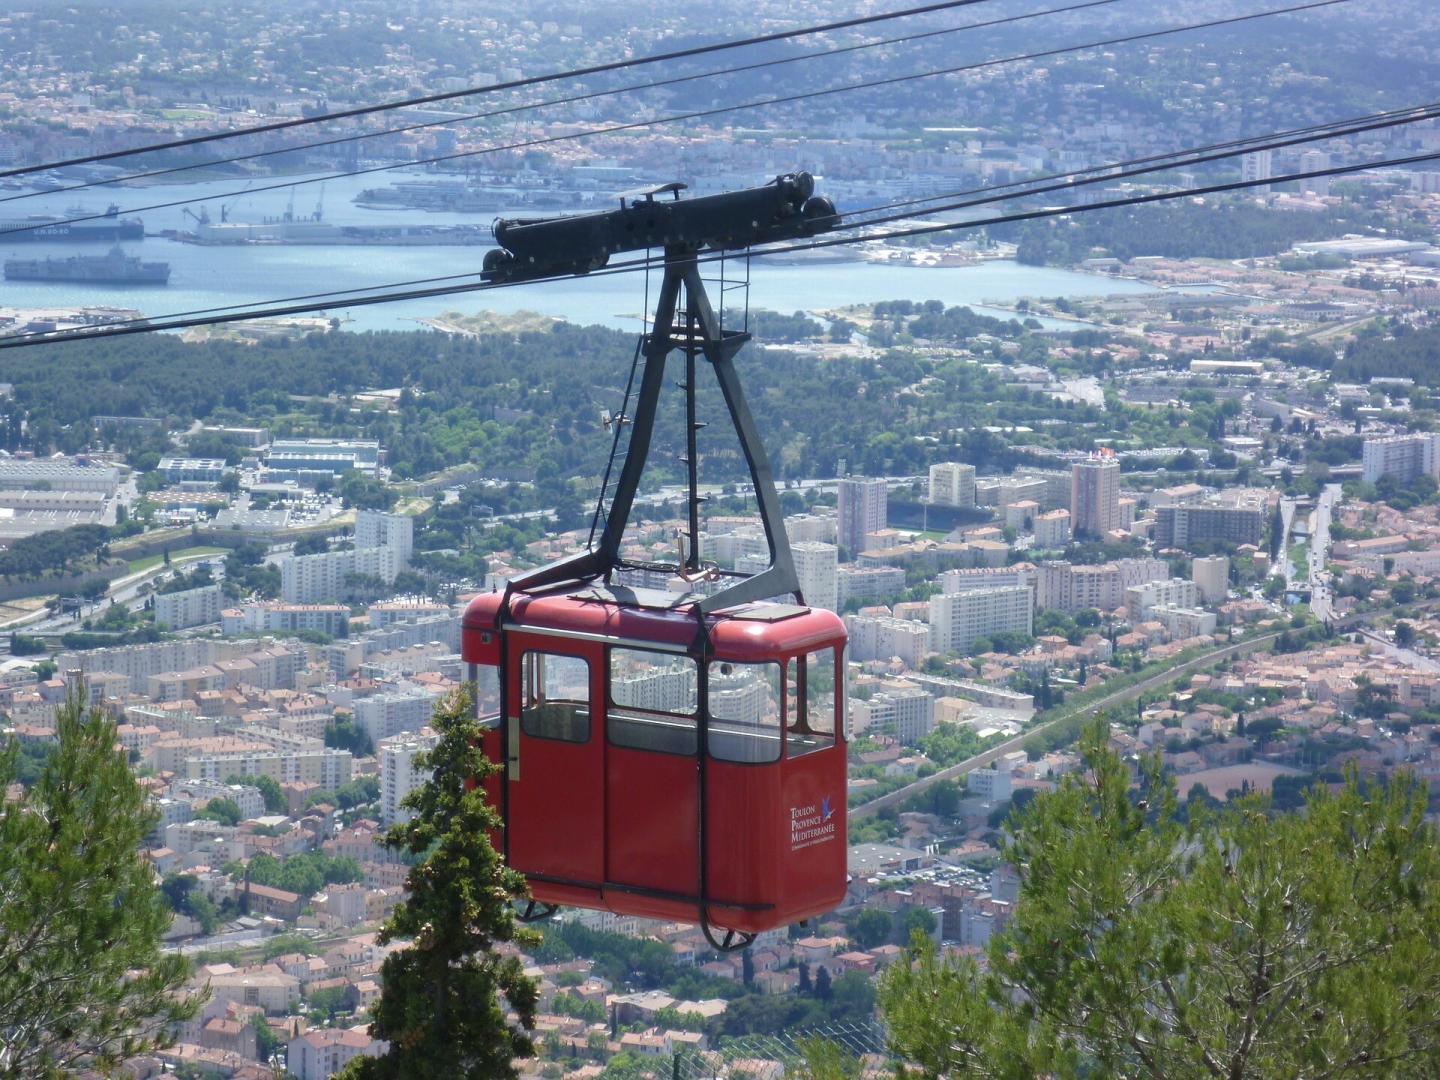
(860, 510)
(1095, 495)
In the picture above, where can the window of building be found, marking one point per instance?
(653, 700)
(747, 706)
(816, 695)
(555, 697)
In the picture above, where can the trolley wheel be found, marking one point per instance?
(731, 941)
(534, 911)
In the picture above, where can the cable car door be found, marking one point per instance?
(554, 765)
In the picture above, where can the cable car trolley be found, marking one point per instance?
(670, 756)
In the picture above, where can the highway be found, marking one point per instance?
(1119, 697)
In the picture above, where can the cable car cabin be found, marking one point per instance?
(649, 772)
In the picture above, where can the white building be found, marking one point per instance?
(57, 474)
(882, 637)
(1183, 622)
(1403, 457)
(1257, 165)
(189, 607)
(178, 470)
(1052, 529)
(247, 798)
(334, 456)
(1173, 592)
(374, 529)
(322, 1052)
(952, 484)
(1211, 575)
(908, 715)
(398, 774)
(866, 583)
(314, 579)
(992, 785)
(958, 619)
(382, 715)
(1068, 587)
(987, 577)
(816, 567)
(279, 617)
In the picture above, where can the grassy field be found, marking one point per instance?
(152, 561)
(1299, 555)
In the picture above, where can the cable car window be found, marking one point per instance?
(653, 699)
(555, 697)
(747, 704)
(812, 704)
(486, 689)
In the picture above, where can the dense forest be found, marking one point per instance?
(532, 403)
(1185, 229)
(1385, 348)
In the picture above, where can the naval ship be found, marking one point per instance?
(108, 229)
(114, 268)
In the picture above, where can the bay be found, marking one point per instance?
(204, 278)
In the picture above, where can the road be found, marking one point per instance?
(1119, 697)
(1282, 564)
(1320, 597)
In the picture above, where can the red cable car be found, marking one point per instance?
(648, 776)
(672, 757)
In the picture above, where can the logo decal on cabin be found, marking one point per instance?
(811, 825)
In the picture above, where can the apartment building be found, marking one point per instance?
(398, 774)
(1172, 592)
(907, 714)
(882, 637)
(952, 484)
(957, 620)
(861, 509)
(189, 607)
(1095, 495)
(1068, 587)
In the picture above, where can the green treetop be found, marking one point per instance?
(1241, 943)
(82, 978)
(443, 1007)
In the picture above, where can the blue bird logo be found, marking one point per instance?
(826, 813)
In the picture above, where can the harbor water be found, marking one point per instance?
(208, 277)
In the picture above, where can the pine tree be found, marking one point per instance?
(82, 978)
(822, 984)
(443, 1006)
(1236, 943)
